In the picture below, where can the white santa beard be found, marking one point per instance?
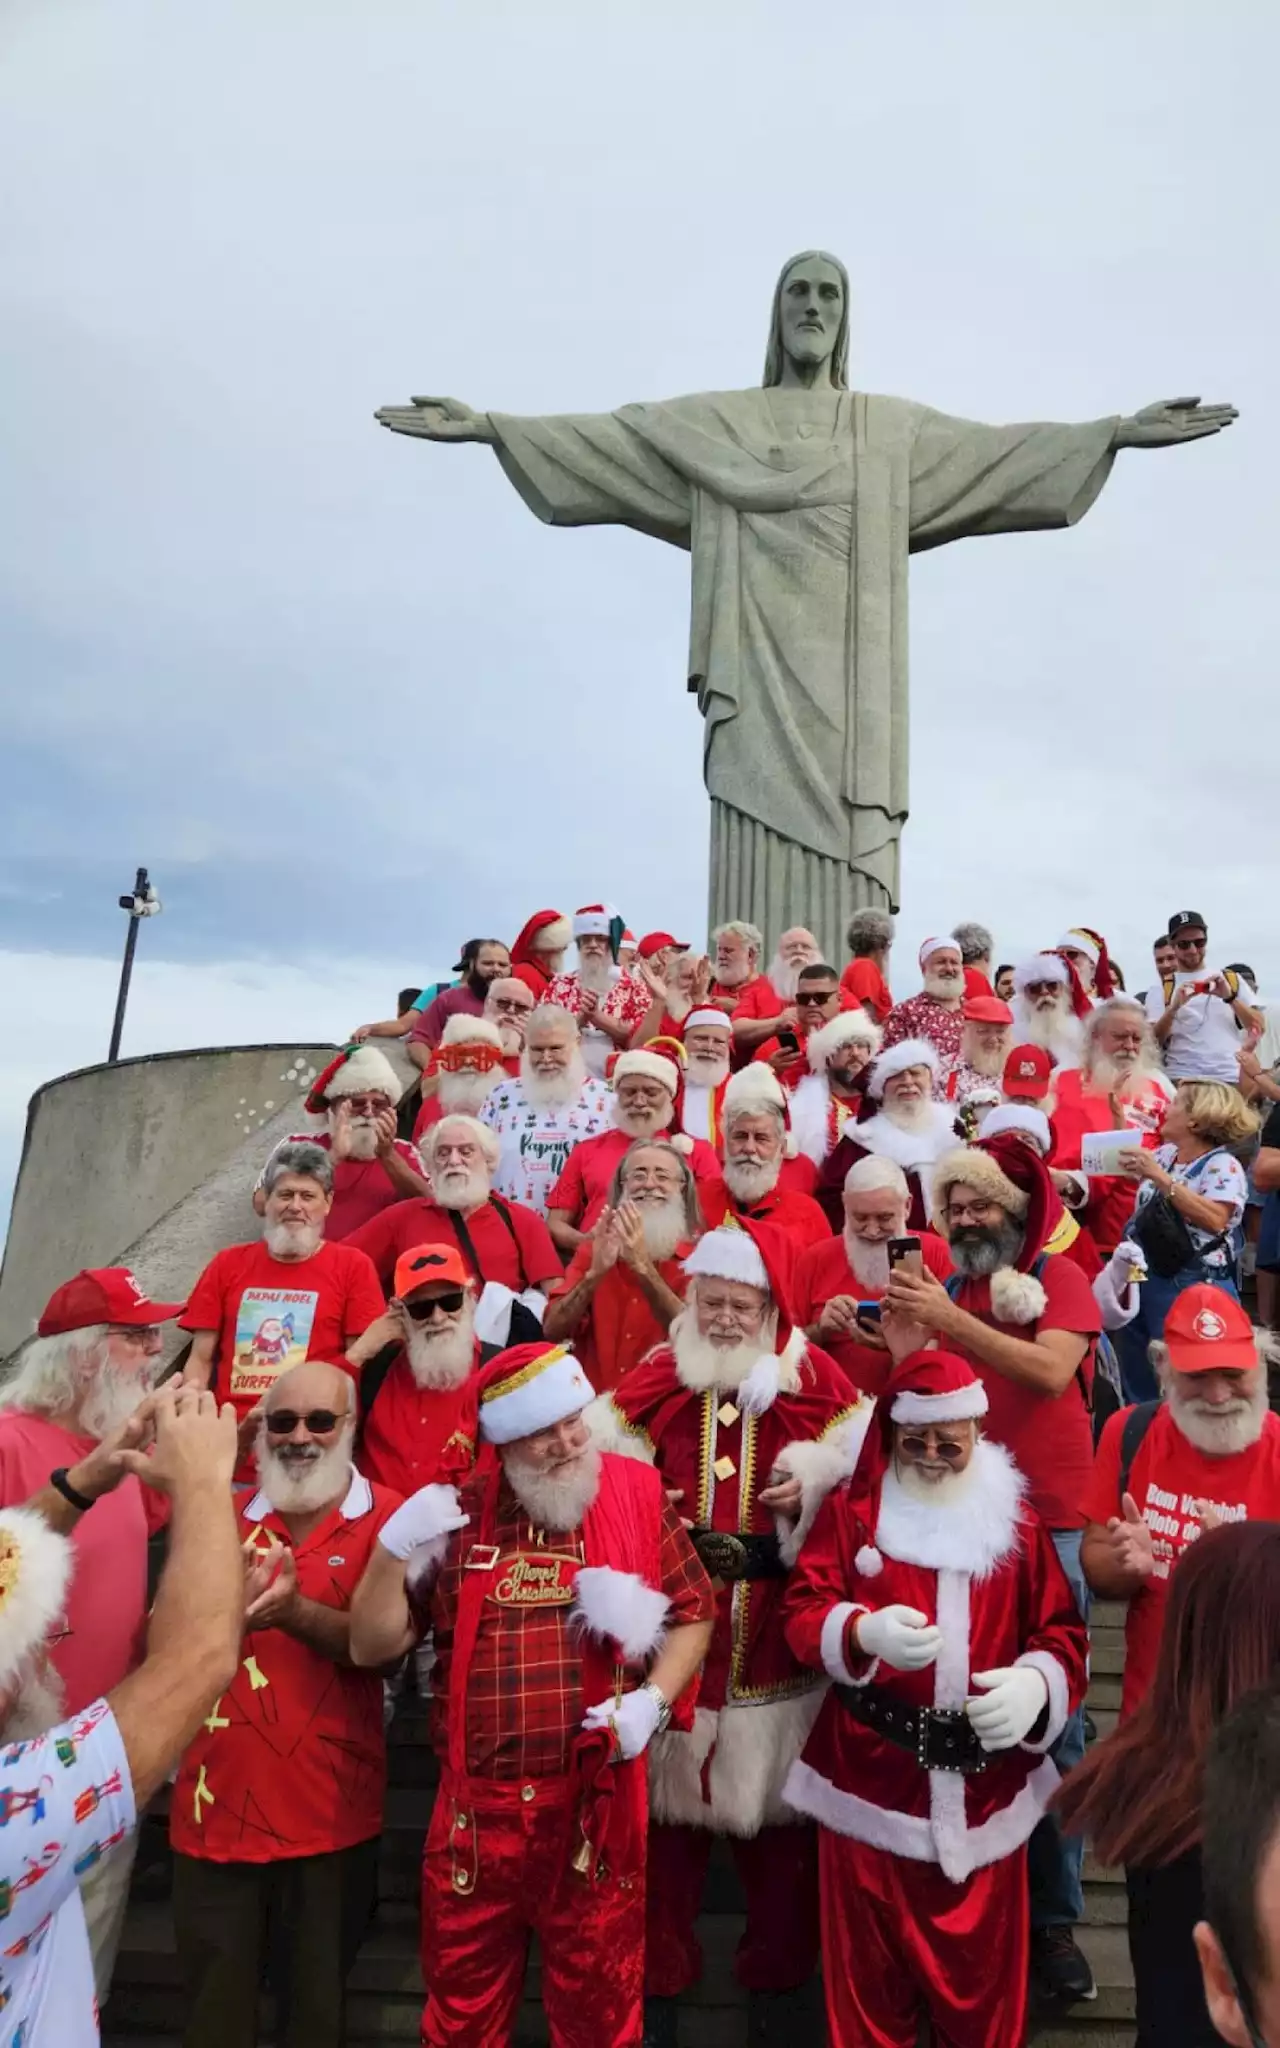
(908, 1116)
(441, 1358)
(664, 1226)
(707, 1070)
(700, 1364)
(464, 1094)
(362, 1134)
(1055, 1030)
(869, 1262)
(1117, 1077)
(785, 980)
(292, 1240)
(455, 1189)
(749, 1180)
(989, 1064)
(1221, 1432)
(944, 988)
(112, 1398)
(306, 1484)
(38, 1703)
(732, 977)
(556, 1088)
(944, 1491)
(556, 1499)
(596, 976)
(642, 1123)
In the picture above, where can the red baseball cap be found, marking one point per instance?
(1207, 1329)
(102, 1294)
(654, 942)
(987, 1010)
(1026, 1073)
(424, 1264)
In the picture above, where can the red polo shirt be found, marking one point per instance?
(519, 1257)
(583, 1187)
(291, 1760)
(620, 1326)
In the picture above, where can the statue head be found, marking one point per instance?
(810, 321)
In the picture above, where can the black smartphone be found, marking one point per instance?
(867, 1312)
(788, 1041)
(905, 1251)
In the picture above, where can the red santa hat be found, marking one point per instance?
(530, 1387)
(594, 921)
(908, 1052)
(358, 1070)
(847, 1027)
(547, 931)
(35, 1569)
(756, 1088)
(1019, 1116)
(1083, 939)
(755, 1255)
(923, 1388)
(665, 1067)
(1004, 1170)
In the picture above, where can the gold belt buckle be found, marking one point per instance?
(482, 1557)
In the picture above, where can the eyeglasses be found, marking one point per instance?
(142, 1334)
(510, 1008)
(318, 1421)
(422, 1311)
(957, 1211)
(917, 1447)
(367, 1105)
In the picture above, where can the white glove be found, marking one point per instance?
(1013, 1701)
(900, 1636)
(1126, 1260)
(634, 1720)
(429, 1513)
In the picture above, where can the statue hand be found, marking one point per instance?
(1173, 420)
(436, 419)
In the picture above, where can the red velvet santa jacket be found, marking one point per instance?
(985, 1570)
(728, 1774)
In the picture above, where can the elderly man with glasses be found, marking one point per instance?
(646, 1086)
(353, 1103)
(1197, 1013)
(276, 1816)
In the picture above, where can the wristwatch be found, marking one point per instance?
(664, 1705)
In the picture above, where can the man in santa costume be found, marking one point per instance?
(931, 1596)
(985, 1044)
(465, 1068)
(570, 1616)
(1049, 1003)
(708, 1048)
(538, 953)
(607, 1001)
(935, 1015)
(353, 1100)
(750, 1425)
(764, 1179)
(1085, 951)
(1067, 1234)
(418, 1385)
(899, 1120)
(1120, 1083)
(828, 1090)
(646, 1089)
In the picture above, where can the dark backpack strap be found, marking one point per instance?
(505, 1213)
(372, 1376)
(1136, 1424)
(466, 1244)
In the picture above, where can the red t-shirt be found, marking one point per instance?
(1167, 1475)
(1048, 1435)
(522, 1260)
(822, 1273)
(759, 999)
(583, 1187)
(291, 1760)
(863, 981)
(620, 1325)
(412, 1435)
(798, 1216)
(270, 1314)
(361, 1187)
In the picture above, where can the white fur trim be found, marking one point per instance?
(1040, 967)
(558, 1388)
(756, 1083)
(951, 1666)
(971, 1534)
(1017, 1297)
(35, 1596)
(846, 1027)
(654, 1066)
(1019, 1116)
(908, 1052)
(928, 947)
(913, 1150)
(620, 1606)
(1079, 942)
(728, 1254)
(1116, 1306)
(831, 1642)
(911, 1836)
(752, 1746)
(1059, 1698)
(810, 1107)
(592, 923)
(706, 1020)
(820, 1464)
(680, 1141)
(868, 1563)
(366, 1071)
(964, 1405)
(463, 1030)
(757, 1393)
(553, 938)
(612, 1430)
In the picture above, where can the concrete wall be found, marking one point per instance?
(150, 1158)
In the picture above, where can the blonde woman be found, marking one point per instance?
(1202, 1185)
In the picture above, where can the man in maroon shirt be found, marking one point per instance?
(483, 961)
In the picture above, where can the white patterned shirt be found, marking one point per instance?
(537, 1142)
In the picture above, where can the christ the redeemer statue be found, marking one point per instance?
(800, 503)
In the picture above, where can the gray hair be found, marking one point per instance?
(1100, 1015)
(305, 1158)
(50, 1371)
(483, 1136)
(751, 1105)
(688, 1185)
(869, 931)
(866, 1175)
(550, 1013)
(737, 928)
(975, 943)
(774, 354)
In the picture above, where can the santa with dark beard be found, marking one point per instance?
(570, 1616)
(1120, 1083)
(932, 1597)
(828, 1090)
(1049, 1004)
(354, 1104)
(466, 1067)
(899, 1120)
(750, 1425)
(418, 1385)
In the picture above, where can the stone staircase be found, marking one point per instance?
(384, 1999)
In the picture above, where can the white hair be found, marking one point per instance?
(737, 928)
(490, 1147)
(550, 1013)
(52, 1370)
(873, 1172)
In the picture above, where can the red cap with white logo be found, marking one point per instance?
(1206, 1330)
(102, 1294)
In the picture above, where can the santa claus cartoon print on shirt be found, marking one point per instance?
(273, 1333)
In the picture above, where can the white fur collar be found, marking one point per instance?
(771, 1374)
(971, 1534)
(907, 1148)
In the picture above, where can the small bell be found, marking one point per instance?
(583, 1857)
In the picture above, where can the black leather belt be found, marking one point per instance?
(727, 1555)
(940, 1739)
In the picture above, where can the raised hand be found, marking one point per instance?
(1172, 420)
(606, 1244)
(1131, 1540)
(437, 419)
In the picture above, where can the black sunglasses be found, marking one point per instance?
(319, 1421)
(808, 998)
(916, 1447)
(1201, 940)
(421, 1311)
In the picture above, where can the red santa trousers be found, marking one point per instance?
(898, 1936)
(497, 1868)
(779, 1873)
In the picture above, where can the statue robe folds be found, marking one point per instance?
(800, 509)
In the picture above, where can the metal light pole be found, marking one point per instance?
(142, 903)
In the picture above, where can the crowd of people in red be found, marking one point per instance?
(718, 1388)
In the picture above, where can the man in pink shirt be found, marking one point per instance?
(94, 1358)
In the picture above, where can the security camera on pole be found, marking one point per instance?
(143, 902)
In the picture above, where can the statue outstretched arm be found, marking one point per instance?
(437, 419)
(1173, 420)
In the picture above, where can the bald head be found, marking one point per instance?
(304, 1444)
(309, 1386)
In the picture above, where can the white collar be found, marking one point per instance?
(359, 1500)
(971, 1534)
(906, 1148)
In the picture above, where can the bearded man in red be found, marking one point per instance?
(751, 1425)
(1120, 1083)
(538, 953)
